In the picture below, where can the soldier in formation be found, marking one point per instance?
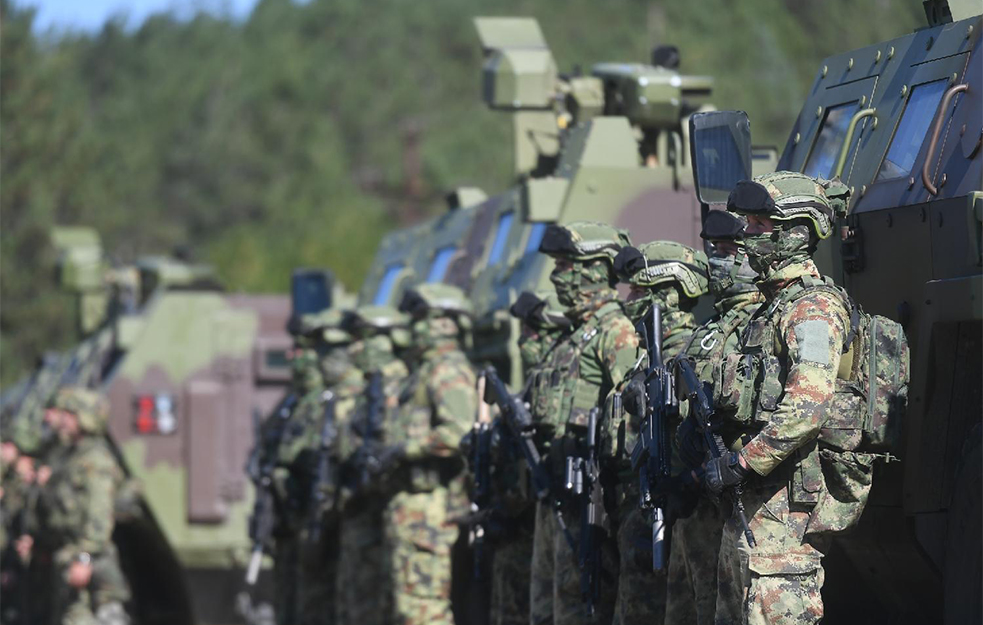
(753, 382)
(63, 507)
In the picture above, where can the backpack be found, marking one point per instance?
(872, 381)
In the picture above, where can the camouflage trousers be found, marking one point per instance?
(782, 577)
(555, 595)
(363, 588)
(511, 575)
(317, 576)
(641, 590)
(691, 593)
(419, 538)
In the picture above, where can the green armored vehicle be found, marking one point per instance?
(611, 146)
(901, 123)
(185, 366)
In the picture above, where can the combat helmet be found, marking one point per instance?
(436, 297)
(584, 240)
(90, 407)
(373, 319)
(729, 274)
(541, 310)
(788, 195)
(664, 262)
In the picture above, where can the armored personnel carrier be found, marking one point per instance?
(901, 123)
(611, 145)
(185, 366)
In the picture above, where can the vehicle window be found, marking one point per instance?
(386, 284)
(501, 237)
(277, 359)
(917, 117)
(535, 237)
(441, 261)
(825, 151)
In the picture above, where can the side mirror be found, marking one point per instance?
(720, 151)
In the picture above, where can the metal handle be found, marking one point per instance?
(936, 131)
(845, 149)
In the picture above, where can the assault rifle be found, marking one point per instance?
(322, 469)
(261, 465)
(583, 479)
(374, 429)
(651, 457)
(518, 429)
(701, 409)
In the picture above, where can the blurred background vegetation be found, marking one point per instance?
(299, 135)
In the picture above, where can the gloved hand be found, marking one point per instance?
(633, 398)
(691, 444)
(724, 472)
(387, 458)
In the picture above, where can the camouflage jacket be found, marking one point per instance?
(585, 366)
(437, 404)
(784, 377)
(76, 505)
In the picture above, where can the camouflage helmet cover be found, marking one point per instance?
(787, 195)
(584, 240)
(90, 407)
(436, 296)
(664, 262)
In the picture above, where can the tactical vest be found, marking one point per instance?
(562, 395)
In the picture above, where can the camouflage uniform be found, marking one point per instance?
(16, 514)
(672, 276)
(305, 572)
(436, 407)
(76, 520)
(364, 591)
(692, 577)
(543, 324)
(579, 374)
(781, 383)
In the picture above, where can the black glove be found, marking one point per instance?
(466, 446)
(387, 458)
(633, 398)
(724, 472)
(691, 444)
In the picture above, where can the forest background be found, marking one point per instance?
(299, 135)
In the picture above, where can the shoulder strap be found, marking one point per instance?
(811, 284)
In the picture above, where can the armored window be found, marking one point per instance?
(917, 117)
(501, 238)
(386, 284)
(535, 237)
(277, 359)
(826, 149)
(441, 261)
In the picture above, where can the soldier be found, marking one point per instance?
(377, 331)
(781, 384)
(542, 325)
(692, 582)
(672, 276)
(437, 403)
(577, 376)
(75, 511)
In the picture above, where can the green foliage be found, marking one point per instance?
(298, 137)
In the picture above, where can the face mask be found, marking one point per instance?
(427, 332)
(334, 364)
(373, 352)
(666, 297)
(769, 251)
(730, 274)
(577, 284)
(305, 371)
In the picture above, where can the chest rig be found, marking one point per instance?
(571, 382)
